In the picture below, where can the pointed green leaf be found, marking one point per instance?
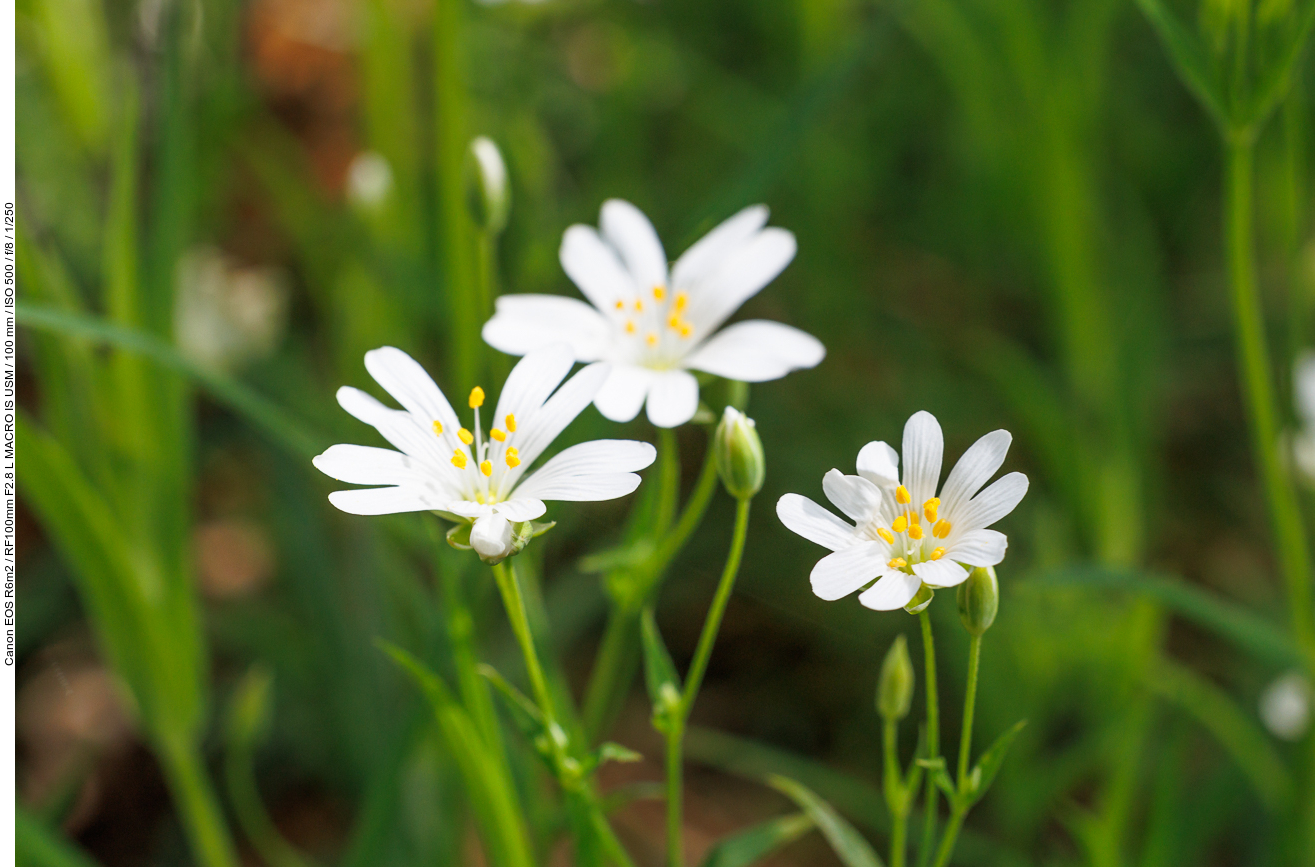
(752, 844)
(989, 764)
(848, 844)
(525, 712)
(659, 671)
(1188, 59)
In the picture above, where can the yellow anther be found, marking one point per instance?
(885, 534)
(902, 495)
(685, 330)
(511, 423)
(659, 292)
(497, 435)
(630, 327)
(681, 301)
(930, 508)
(465, 436)
(913, 517)
(512, 450)
(942, 529)
(938, 553)
(639, 305)
(898, 563)
(459, 459)
(620, 305)
(651, 339)
(486, 467)
(900, 524)
(438, 428)
(476, 397)
(915, 531)
(512, 460)
(674, 321)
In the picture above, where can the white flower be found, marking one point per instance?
(1285, 706)
(652, 326)
(906, 535)
(369, 179)
(1303, 446)
(226, 315)
(446, 468)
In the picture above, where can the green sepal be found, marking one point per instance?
(659, 674)
(458, 536)
(988, 765)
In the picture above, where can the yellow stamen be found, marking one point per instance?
(913, 518)
(915, 532)
(900, 524)
(651, 339)
(630, 327)
(942, 529)
(938, 553)
(674, 321)
(465, 436)
(512, 450)
(459, 459)
(898, 563)
(511, 423)
(659, 292)
(497, 435)
(885, 534)
(486, 467)
(512, 460)
(902, 495)
(438, 428)
(685, 330)
(620, 305)
(476, 397)
(639, 305)
(930, 508)
(682, 301)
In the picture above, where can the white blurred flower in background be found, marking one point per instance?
(1285, 706)
(1303, 444)
(369, 180)
(227, 315)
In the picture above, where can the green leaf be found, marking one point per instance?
(1188, 59)
(525, 711)
(847, 843)
(752, 844)
(646, 790)
(1251, 632)
(614, 752)
(936, 768)
(989, 764)
(659, 672)
(35, 845)
(1277, 79)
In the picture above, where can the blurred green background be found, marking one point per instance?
(1008, 213)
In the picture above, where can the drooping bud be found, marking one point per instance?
(895, 686)
(488, 192)
(920, 600)
(739, 452)
(979, 599)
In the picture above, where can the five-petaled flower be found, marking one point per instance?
(654, 326)
(905, 534)
(463, 475)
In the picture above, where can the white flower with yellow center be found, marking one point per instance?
(464, 475)
(655, 326)
(904, 534)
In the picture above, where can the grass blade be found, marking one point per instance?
(847, 843)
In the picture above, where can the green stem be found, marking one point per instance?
(896, 797)
(669, 481)
(933, 739)
(512, 599)
(1257, 387)
(675, 795)
(951, 835)
(198, 808)
(969, 703)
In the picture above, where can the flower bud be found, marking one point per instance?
(895, 686)
(739, 451)
(979, 599)
(488, 192)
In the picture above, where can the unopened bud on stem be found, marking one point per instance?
(895, 686)
(488, 191)
(979, 599)
(739, 452)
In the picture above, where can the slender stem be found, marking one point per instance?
(675, 795)
(969, 703)
(896, 797)
(198, 808)
(514, 602)
(669, 487)
(933, 739)
(1257, 386)
(946, 848)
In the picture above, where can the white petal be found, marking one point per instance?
(978, 548)
(631, 233)
(757, 351)
(409, 384)
(854, 495)
(923, 445)
(944, 572)
(537, 431)
(879, 464)
(895, 590)
(801, 515)
(366, 465)
(398, 427)
(598, 470)
(491, 536)
(708, 251)
(594, 267)
(746, 270)
(531, 381)
(622, 395)
(524, 323)
(975, 469)
(991, 504)
(469, 509)
(837, 575)
(1304, 380)
(385, 501)
(521, 509)
(673, 398)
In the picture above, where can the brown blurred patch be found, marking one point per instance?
(234, 557)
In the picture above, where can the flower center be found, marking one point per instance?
(654, 329)
(910, 541)
(489, 454)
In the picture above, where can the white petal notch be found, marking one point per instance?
(652, 324)
(904, 535)
(476, 475)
